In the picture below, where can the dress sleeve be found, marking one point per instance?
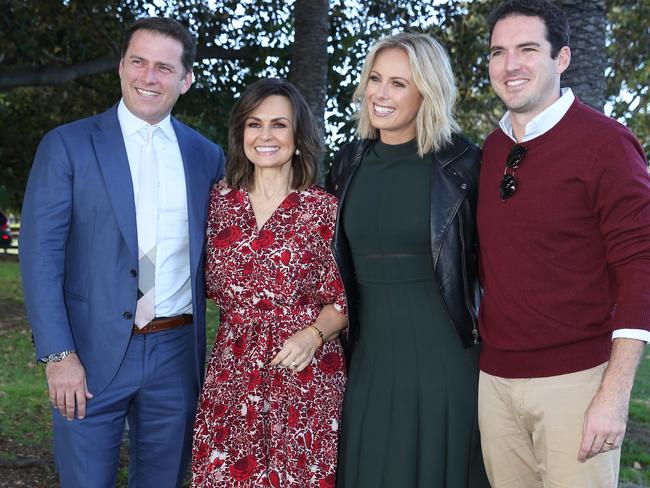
(329, 288)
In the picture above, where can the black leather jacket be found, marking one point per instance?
(454, 188)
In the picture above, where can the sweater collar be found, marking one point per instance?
(544, 121)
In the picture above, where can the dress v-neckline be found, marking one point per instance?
(249, 204)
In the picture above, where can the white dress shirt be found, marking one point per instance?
(541, 124)
(173, 295)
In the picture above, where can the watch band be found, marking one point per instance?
(56, 357)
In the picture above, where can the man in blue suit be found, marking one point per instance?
(111, 254)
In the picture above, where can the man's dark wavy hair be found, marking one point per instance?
(554, 18)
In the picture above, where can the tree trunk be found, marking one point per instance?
(586, 74)
(309, 59)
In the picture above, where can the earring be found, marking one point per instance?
(297, 152)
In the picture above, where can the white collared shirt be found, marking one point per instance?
(173, 294)
(544, 121)
(541, 124)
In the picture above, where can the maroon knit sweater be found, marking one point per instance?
(566, 260)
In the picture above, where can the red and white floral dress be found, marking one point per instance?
(260, 425)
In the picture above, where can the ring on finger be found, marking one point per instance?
(293, 364)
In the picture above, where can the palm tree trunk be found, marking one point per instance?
(586, 74)
(308, 70)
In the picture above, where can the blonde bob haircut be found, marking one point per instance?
(434, 79)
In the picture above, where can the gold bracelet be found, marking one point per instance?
(318, 332)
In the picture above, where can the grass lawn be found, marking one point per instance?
(23, 395)
(25, 458)
(25, 427)
(635, 457)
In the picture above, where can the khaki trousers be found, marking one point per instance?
(531, 430)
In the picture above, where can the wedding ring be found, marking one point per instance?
(609, 443)
(293, 364)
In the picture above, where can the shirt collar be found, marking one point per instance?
(131, 124)
(544, 121)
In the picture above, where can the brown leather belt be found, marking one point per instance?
(164, 323)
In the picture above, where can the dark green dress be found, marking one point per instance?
(409, 414)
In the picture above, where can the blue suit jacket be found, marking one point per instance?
(78, 241)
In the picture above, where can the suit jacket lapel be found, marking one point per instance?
(195, 179)
(114, 165)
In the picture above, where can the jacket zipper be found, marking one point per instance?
(464, 270)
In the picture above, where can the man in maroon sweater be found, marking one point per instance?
(564, 225)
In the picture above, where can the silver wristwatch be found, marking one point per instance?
(55, 358)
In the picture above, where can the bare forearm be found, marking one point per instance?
(606, 416)
(623, 362)
(298, 351)
(330, 322)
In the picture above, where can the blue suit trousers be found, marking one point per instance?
(156, 389)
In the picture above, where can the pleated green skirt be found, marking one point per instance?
(410, 409)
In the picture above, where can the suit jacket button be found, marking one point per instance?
(128, 315)
(134, 273)
(464, 186)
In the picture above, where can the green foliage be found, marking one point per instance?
(26, 114)
(10, 287)
(212, 324)
(25, 413)
(354, 27)
(62, 33)
(635, 454)
(642, 386)
(628, 74)
(52, 33)
(635, 461)
(464, 32)
(24, 406)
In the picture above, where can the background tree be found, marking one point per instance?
(58, 60)
(309, 56)
(586, 73)
(628, 65)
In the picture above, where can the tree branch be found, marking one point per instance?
(99, 27)
(56, 75)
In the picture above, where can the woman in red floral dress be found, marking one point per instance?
(270, 407)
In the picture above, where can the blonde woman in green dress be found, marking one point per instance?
(405, 244)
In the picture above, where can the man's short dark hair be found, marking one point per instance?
(554, 18)
(169, 28)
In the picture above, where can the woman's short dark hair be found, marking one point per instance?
(168, 28)
(306, 136)
(553, 17)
